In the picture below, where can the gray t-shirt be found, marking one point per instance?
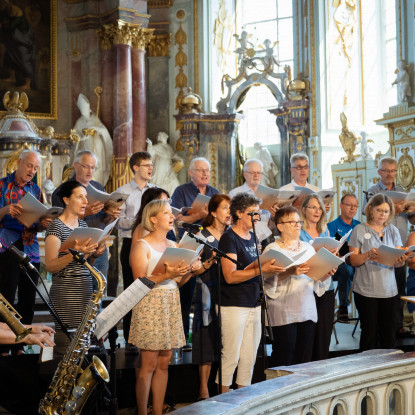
(372, 279)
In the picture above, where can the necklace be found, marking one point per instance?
(289, 247)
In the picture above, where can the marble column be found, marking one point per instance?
(140, 39)
(107, 76)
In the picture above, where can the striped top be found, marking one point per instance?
(71, 286)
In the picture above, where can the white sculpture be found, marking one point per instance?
(95, 137)
(270, 168)
(366, 151)
(403, 82)
(164, 171)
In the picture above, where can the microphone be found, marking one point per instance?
(252, 214)
(189, 226)
(22, 257)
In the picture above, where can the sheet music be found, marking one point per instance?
(388, 255)
(321, 263)
(271, 197)
(173, 256)
(95, 195)
(32, 210)
(189, 243)
(112, 314)
(82, 234)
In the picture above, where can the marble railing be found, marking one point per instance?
(378, 382)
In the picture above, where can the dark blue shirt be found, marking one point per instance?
(93, 221)
(341, 227)
(11, 229)
(246, 293)
(185, 194)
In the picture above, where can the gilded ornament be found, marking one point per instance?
(160, 45)
(141, 37)
(180, 38)
(406, 169)
(18, 102)
(190, 103)
(180, 14)
(181, 79)
(348, 141)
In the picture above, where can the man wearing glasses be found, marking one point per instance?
(387, 172)
(183, 196)
(344, 274)
(300, 170)
(142, 168)
(253, 170)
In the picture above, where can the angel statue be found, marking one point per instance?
(166, 163)
(403, 82)
(348, 140)
(366, 150)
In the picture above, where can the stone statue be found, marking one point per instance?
(166, 163)
(402, 80)
(270, 168)
(94, 137)
(366, 151)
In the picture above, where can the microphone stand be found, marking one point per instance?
(264, 303)
(219, 255)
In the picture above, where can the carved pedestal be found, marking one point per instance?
(212, 136)
(353, 178)
(400, 121)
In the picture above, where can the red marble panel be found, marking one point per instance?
(139, 100)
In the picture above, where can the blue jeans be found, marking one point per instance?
(344, 277)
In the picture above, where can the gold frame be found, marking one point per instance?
(53, 88)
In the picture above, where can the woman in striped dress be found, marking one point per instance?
(71, 282)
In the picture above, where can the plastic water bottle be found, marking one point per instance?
(29, 349)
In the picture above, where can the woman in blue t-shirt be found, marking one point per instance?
(313, 212)
(241, 313)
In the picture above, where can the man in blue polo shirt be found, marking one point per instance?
(183, 196)
(344, 274)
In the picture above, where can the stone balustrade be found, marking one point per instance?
(377, 382)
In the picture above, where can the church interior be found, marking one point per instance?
(228, 81)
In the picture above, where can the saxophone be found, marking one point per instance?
(71, 386)
(12, 319)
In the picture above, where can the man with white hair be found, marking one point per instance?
(300, 169)
(184, 196)
(252, 172)
(12, 232)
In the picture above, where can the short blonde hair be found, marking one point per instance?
(152, 209)
(322, 223)
(378, 200)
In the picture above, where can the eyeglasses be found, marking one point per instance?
(293, 222)
(306, 167)
(350, 205)
(202, 170)
(386, 212)
(86, 167)
(317, 208)
(388, 171)
(168, 200)
(254, 173)
(145, 165)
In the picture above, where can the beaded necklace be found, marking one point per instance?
(289, 247)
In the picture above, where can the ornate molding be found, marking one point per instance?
(141, 37)
(159, 4)
(160, 45)
(118, 33)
